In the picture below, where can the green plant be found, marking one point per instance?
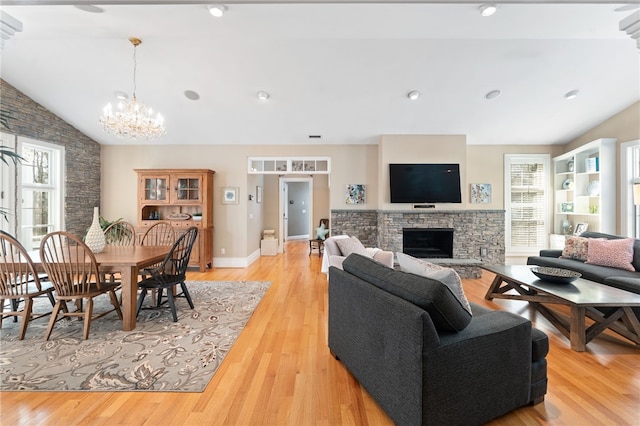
(4, 118)
(7, 153)
(111, 236)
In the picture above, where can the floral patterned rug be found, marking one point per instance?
(159, 355)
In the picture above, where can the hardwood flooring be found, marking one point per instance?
(280, 372)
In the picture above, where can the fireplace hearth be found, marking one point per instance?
(428, 242)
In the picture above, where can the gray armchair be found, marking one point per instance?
(422, 357)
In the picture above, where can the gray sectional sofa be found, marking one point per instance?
(422, 356)
(619, 278)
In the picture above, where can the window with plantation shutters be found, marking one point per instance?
(526, 203)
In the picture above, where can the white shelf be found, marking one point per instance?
(604, 203)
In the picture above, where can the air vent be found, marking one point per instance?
(315, 136)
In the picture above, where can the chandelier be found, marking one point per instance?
(132, 118)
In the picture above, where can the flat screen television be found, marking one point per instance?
(425, 183)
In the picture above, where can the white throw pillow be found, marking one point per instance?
(447, 276)
(351, 245)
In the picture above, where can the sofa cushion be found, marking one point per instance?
(351, 245)
(448, 276)
(446, 311)
(575, 248)
(636, 245)
(616, 253)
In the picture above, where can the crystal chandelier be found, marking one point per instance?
(132, 118)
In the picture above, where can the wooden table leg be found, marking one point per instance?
(129, 297)
(577, 329)
(493, 287)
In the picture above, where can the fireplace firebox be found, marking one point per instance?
(428, 242)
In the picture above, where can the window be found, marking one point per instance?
(41, 188)
(526, 203)
(630, 175)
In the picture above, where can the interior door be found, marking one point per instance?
(283, 234)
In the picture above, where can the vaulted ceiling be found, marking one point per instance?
(338, 70)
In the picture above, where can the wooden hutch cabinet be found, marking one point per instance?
(179, 196)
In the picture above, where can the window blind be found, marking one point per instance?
(527, 203)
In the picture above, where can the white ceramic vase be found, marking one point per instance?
(95, 239)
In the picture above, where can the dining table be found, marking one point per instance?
(127, 261)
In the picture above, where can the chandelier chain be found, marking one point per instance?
(135, 67)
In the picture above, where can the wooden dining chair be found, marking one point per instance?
(120, 233)
(170, 273)
(19, 282)
(160, 234)
(73, 270)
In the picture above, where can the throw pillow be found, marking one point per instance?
(576, 248)
(321, 232)
(351, 245)
(447, 276)
(613, 253)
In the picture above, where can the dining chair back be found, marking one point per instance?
(19, 281)
(170, 272)
(160, 234)
(73, 270)
(120, 233)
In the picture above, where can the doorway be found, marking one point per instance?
(296, 209)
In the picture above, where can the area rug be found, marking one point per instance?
(159, 355)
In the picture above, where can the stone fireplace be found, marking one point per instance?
(473, 230)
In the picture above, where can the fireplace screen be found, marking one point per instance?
(428, 242)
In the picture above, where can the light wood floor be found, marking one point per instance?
(280, 372)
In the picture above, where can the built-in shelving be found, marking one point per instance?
(577, 174)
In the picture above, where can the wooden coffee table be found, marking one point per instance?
(581, 296)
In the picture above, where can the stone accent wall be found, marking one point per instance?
(82, 154)
(473, 229)
(362, 224)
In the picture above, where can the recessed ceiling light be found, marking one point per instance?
(488, 9)
(89, 8)
(571, 95)
(413, 95)
(120, 95)
(217, 10)
(190, 94)
(493, 94)
(262, 95)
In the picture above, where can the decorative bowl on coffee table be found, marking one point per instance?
(555, 275)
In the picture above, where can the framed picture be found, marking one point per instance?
(566, 207)
(480, 193)
(258, 194)
(355, 193)
(580, 228)
(230, 195)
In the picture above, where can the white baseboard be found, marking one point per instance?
(236, 262)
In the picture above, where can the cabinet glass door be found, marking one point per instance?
(187, 189)
(155, 189)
